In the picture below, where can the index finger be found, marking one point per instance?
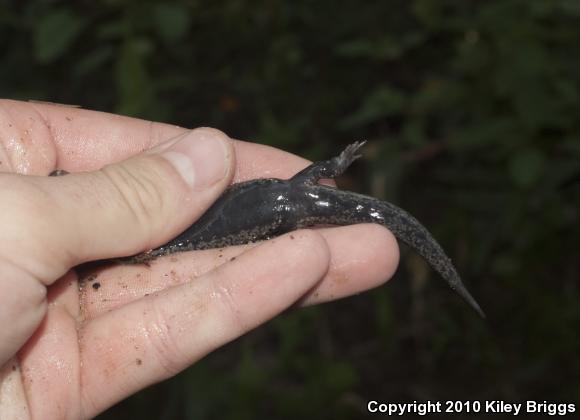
(39, 138)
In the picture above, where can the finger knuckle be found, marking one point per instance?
(26, 205)
(138, 190)
(161, 339)
(233, 312)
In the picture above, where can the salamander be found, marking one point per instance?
(264, 208)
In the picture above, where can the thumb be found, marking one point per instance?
(54, 223)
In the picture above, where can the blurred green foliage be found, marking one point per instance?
(472, 113)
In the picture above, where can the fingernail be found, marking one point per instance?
(200, 157)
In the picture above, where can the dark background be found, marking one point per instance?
(471, 110)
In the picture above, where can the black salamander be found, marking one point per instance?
(264, 208)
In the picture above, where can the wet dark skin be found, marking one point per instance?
(264, 208)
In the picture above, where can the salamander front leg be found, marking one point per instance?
(328, 168)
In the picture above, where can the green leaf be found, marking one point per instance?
(571, 7)
(340, 376)
(386, 47)
(383, 102)
(111, 30)
(172, 21)
(505, 265)
(526, 167)
(93, 61)
(481, 135)
(413, 133)
(54, 33)
(133, 81)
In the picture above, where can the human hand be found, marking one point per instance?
(71, 348)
